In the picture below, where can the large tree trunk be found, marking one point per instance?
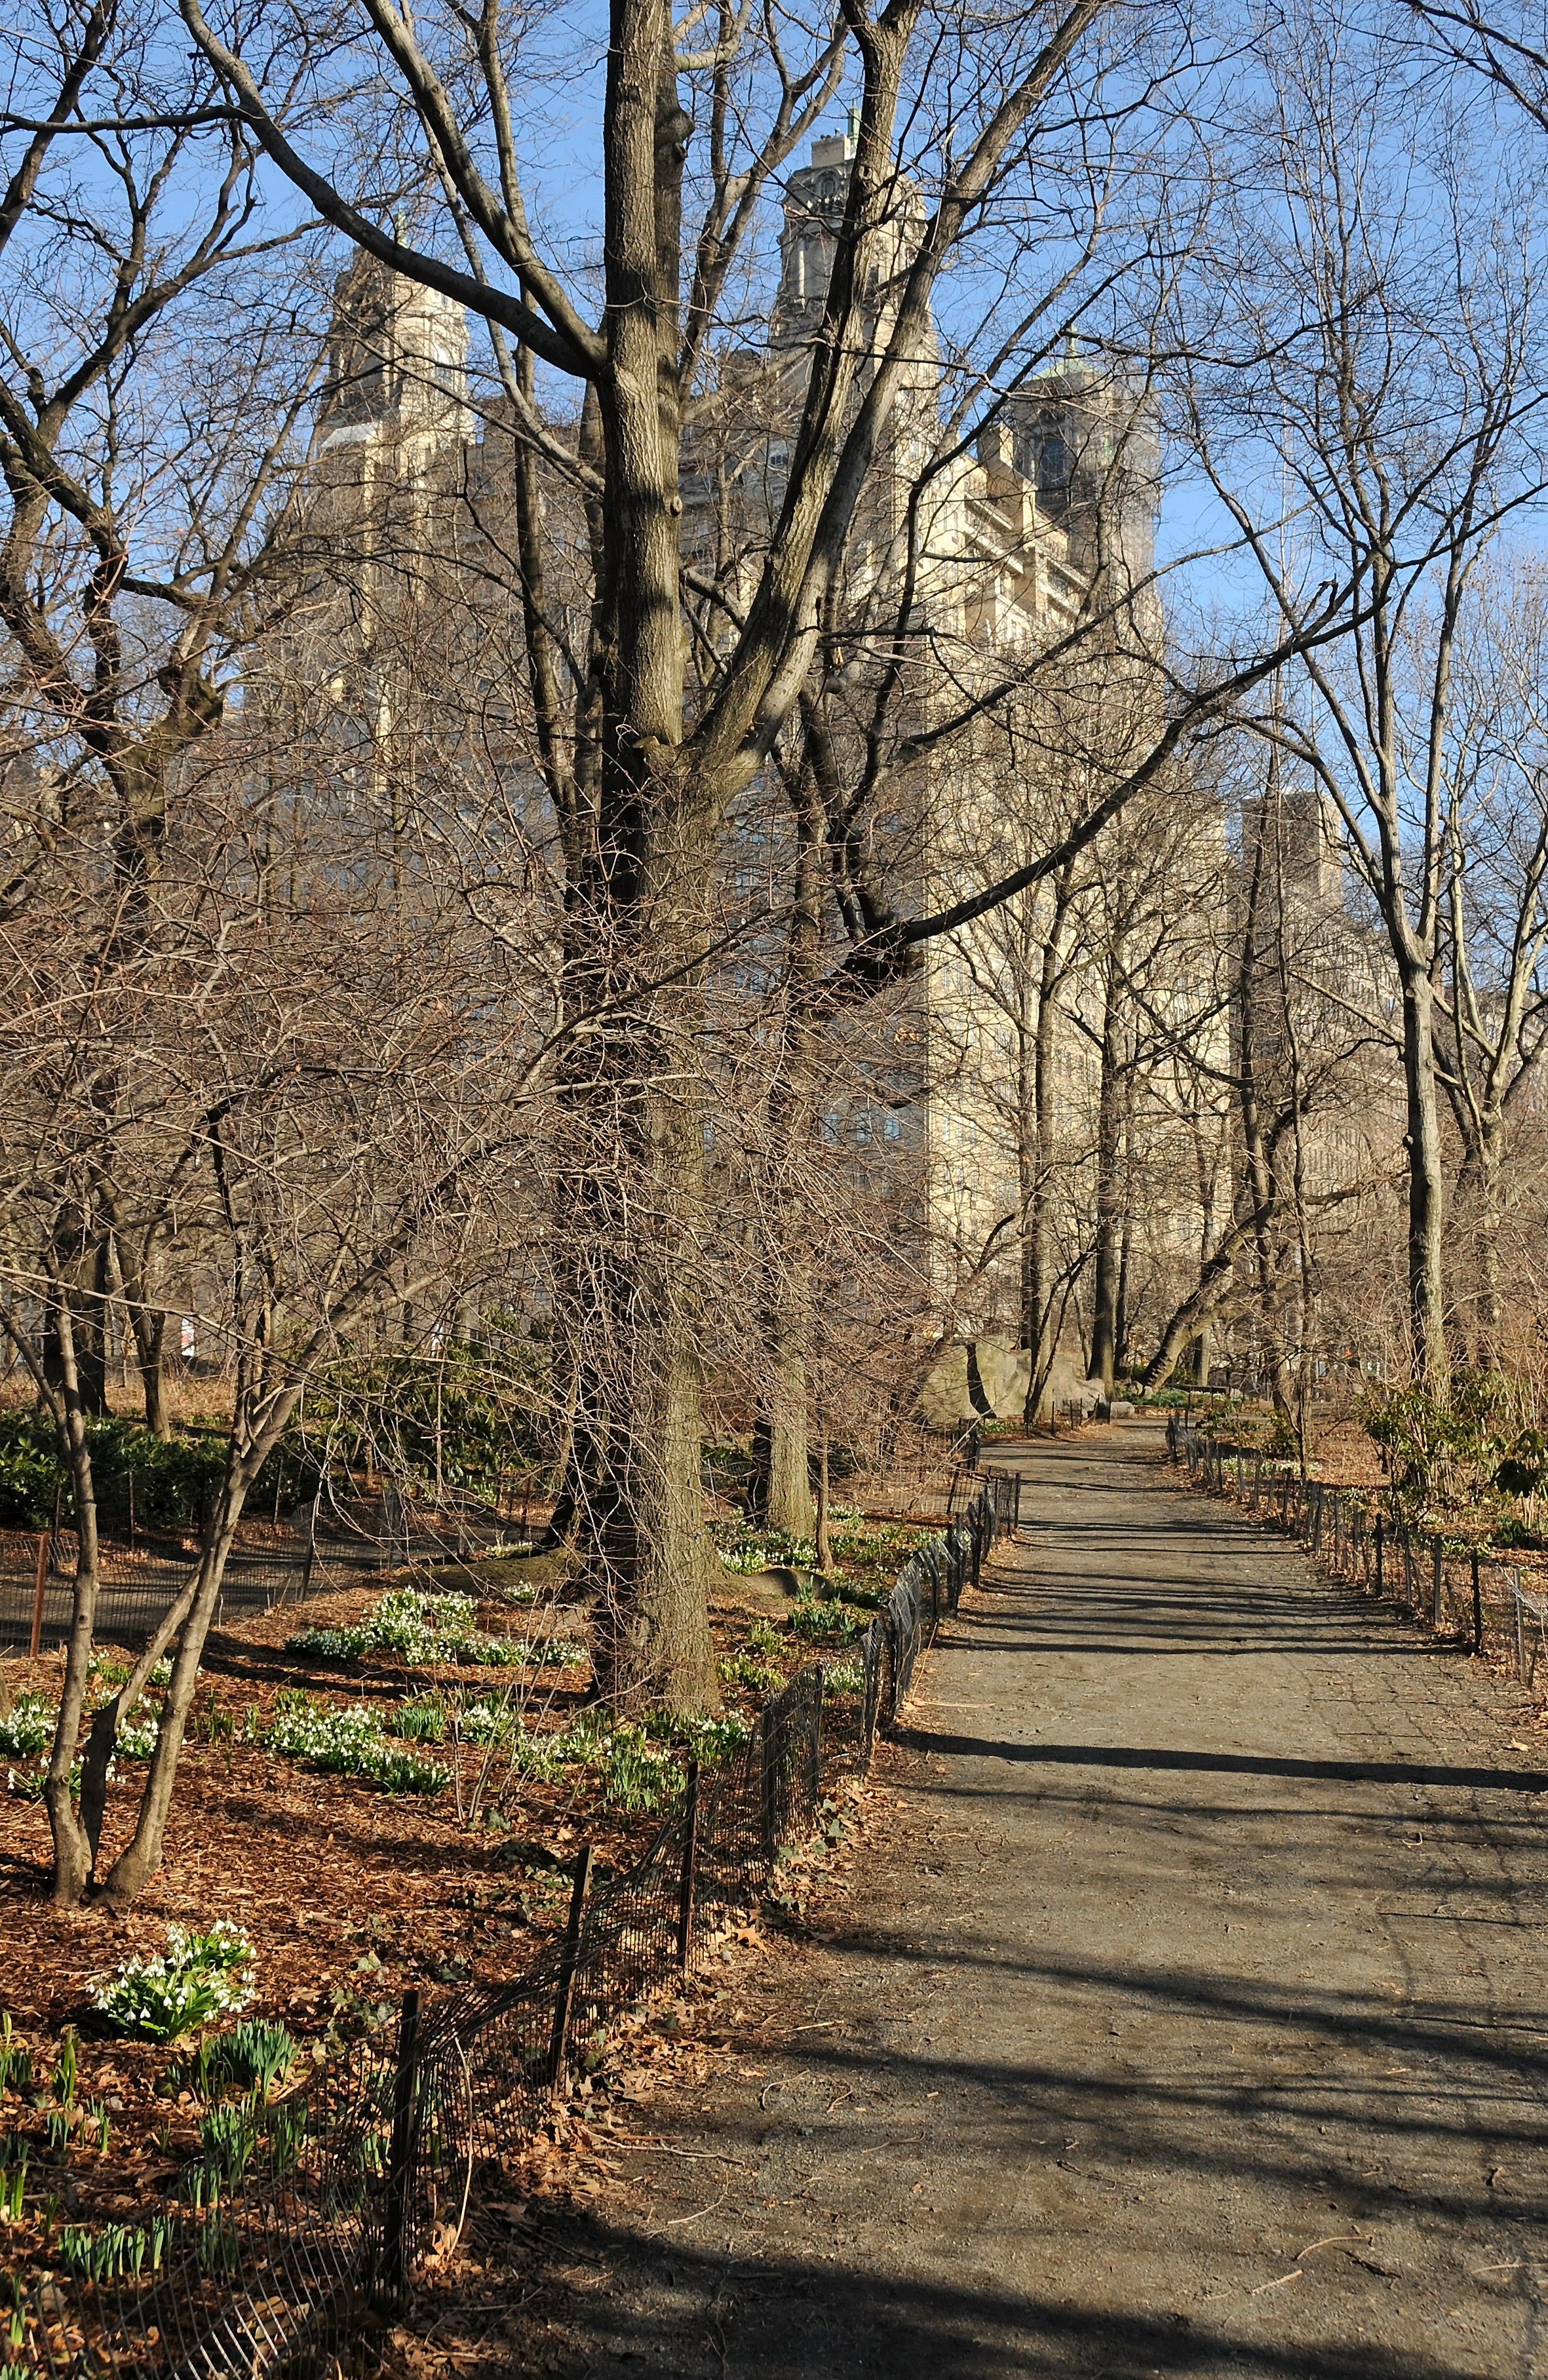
(1042, 1310)
(1426, 1197)
(149, 1347)
(640, 895)
(784, 1423)
(787, 1501)
(75, 1340)
(1487, 1297)
(1109, 1219)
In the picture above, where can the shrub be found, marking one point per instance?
(251, 2058)
(349, 1743)
(815, 1620)
(755, 1676)
(420, 1629)
(707, 1741)
(197, 1978)
(32, 1474)
(27, 1728)
(1524, 1469)
(637, 1774)
(745, 1550)
(482, 1722)
(421, 1720)
(117, 2252)
(548, 1653)
(137, 1737)
(466, 1415)
(1458, 1447)
(227, 2137)
(330, 1643)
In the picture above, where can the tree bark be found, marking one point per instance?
(1109, 1218)
(1426, 1194)
(1041, 1314)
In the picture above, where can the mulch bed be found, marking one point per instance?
(348, 1894)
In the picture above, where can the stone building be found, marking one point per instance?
(1044, 524)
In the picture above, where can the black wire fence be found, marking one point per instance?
(141, 1576)
(1459, 1590)
(313, 2215)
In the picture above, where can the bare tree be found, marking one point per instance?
(1387, 353)
(643, 753)
(1491, 995)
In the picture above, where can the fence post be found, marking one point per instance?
(1407, 1566)
(1381, 1537)
(814, 1744)
(1520, 1626)
(1437, 1586)
(39, 1583)
(687, 1875)
(569, 1961)
(400, 2154)
(768, 1767)
(1478, 1608)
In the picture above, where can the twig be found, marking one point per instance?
(677, 2219)
(659, 2148)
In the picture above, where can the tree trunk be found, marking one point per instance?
(1422, 1142)
(1487, 1301)
(1039, 1320)
(190, 1619)
(72, 1851)
(1106, 1275)
(784, 1435)
(138, 1863)
(78, 1314)
(639, 909)
(787, 1501)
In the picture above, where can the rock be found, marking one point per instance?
(492, 1575)
(1121, 1409)
(764, 1594)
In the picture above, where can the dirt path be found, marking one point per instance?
(1186, 2017)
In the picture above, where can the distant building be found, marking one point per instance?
(1047, 521)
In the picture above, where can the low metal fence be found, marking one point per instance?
(139, 1579)
(285, 2235)
(1460, 1590)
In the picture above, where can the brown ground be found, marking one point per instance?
(349, 1895)
(1182, 2015)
